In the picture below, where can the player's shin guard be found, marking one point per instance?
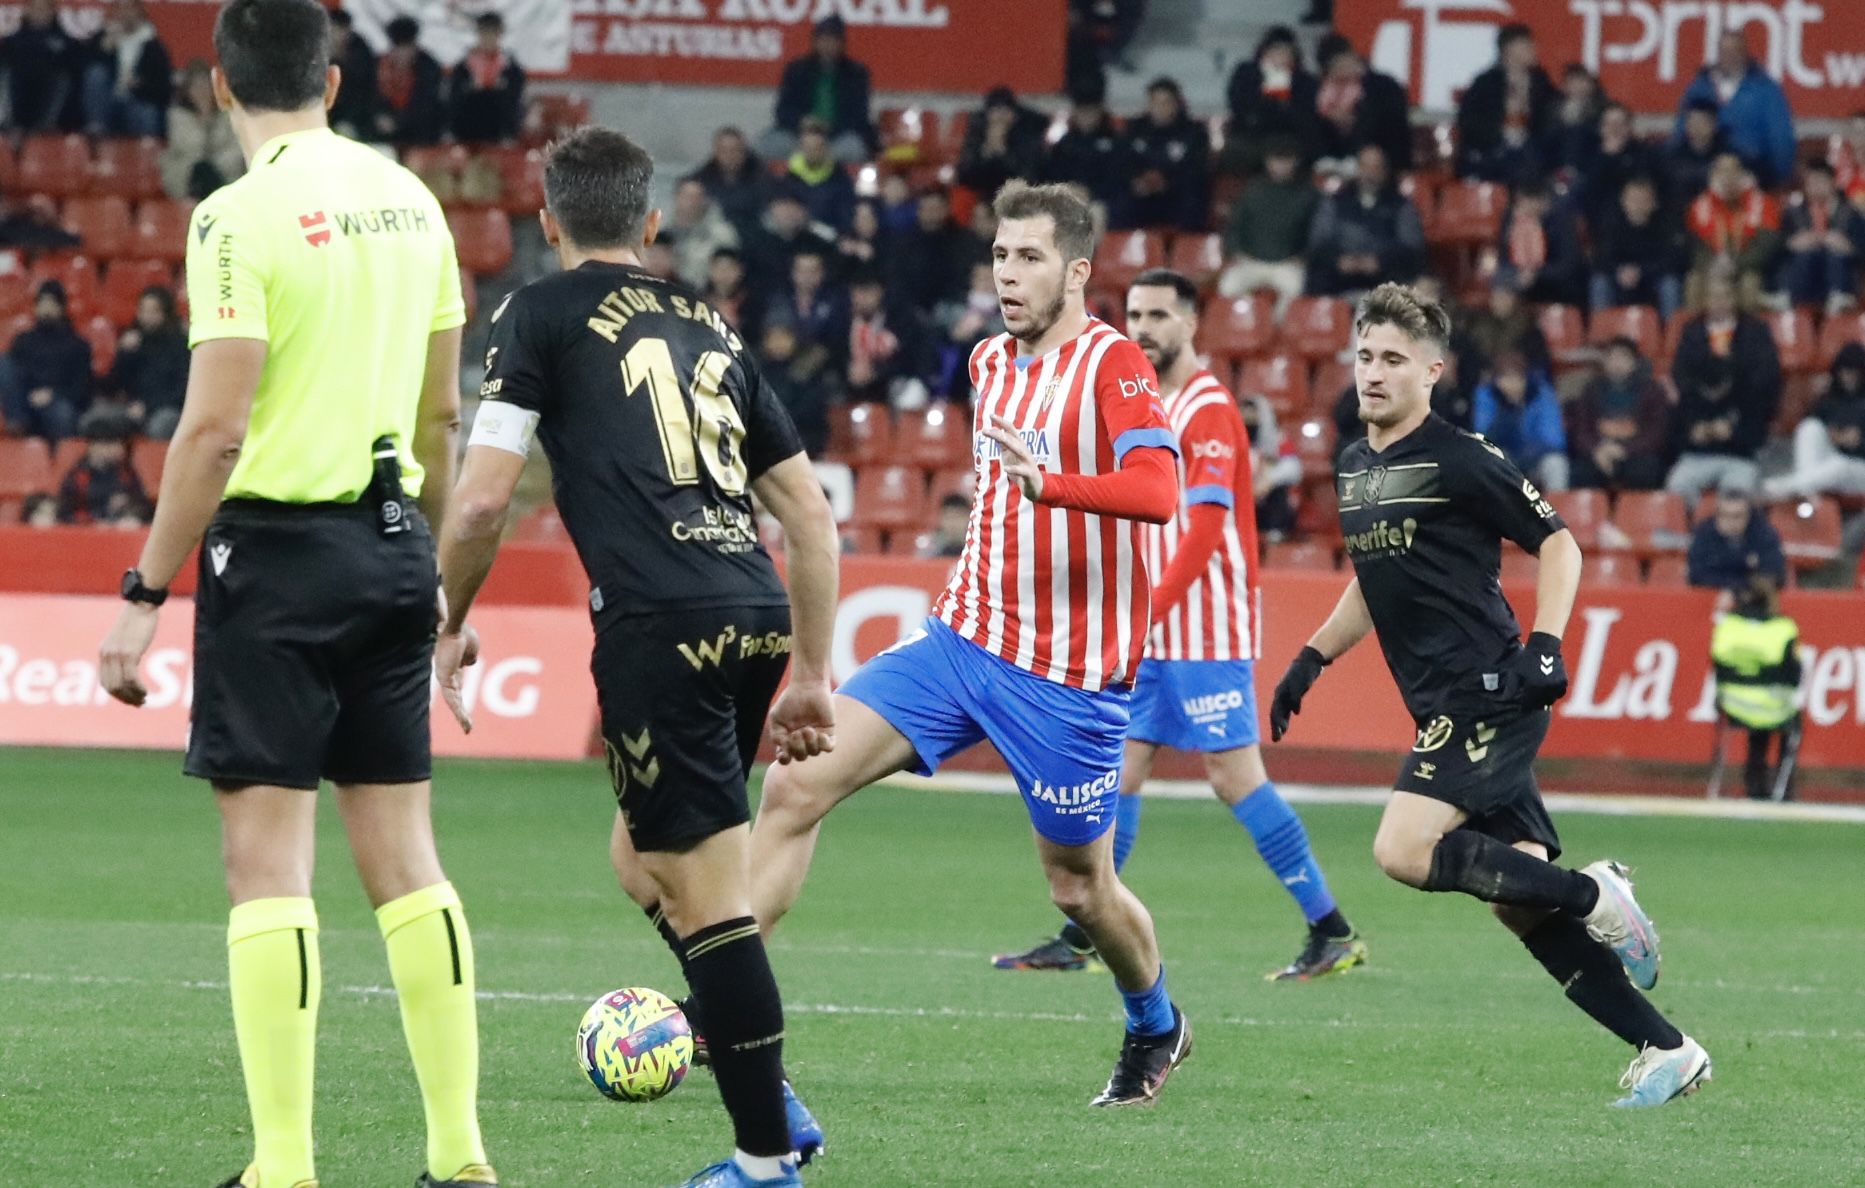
(1595, 981)
(728, 970)
(431, 962)
(1479, 865)
(1283, 845)
(273, 970)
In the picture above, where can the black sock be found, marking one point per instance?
(729, 972)
(1595, 982)
(1479, 865)
(1333, 925)
(689, 1007)
(1074, 937)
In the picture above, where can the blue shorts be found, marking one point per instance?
(1063, 744)
(1195, 705)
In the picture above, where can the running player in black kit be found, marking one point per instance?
(1424, 508)
(658, 428)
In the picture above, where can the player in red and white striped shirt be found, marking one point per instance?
(1196, 688)
(1034, 642)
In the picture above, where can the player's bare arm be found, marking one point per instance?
(803, 719)
(1558, 583)
(222, 377)
(474, 520)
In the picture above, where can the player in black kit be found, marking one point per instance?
(658, 428)
(1424, 507)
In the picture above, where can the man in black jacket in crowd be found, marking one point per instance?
(829, 85)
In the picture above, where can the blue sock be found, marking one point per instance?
(1283, 843)
(1149, 1012)
(1126, 826)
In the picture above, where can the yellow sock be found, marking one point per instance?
(272, 967)
(431, 961)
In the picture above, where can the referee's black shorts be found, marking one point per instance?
(684, 695)
(1479, 756)
(313, 647)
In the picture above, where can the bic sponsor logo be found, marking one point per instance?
(1079, 800)
(1383, 539)
(1139, 385)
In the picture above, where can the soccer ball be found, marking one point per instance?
(634, 1045)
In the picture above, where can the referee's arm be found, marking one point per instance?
(437, 425)
(223, 375)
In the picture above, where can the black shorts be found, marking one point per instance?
(313, 647)
(684, 695)
(1483, 762)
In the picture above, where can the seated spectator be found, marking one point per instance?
(1357, 105)
(1573, 134)
(1268, 227)
(1365, 234)
(1098, 33)
(864, 244)
(948, 535)
(32, 224)
(1506, 114)
(47, 385)
(1687, 160)
(1728, 378)
(1829, 444)
(1620, 425)
(1271, 98)
(886, 345)
(1620, 157)
(1540, 247)
(815, 307)
(819, 182)
(408, 81)
(1168, 183)
(202, 154)
(829, 85)
(1733, 225)
(1736, 545)
(487, 92)
(128, 80)
(800, 375)
(150, 374)
(931, 262)
(102, 487)
(1751, 109)
(1520, 414)
(1502, 326)
(354, 112)
(39, 510)
(735, 180)
(42, 62)
(1639, 254)
(725, 290)
(697, 230)
(1822, 234)
(1002, 140)
(786, 231)
(1847, 157)
(1275, 468)
(974, 315)
(1091, 153)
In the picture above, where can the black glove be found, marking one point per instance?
(1304, 670)
(1539, 676)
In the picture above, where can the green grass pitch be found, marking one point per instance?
(1451, 1060)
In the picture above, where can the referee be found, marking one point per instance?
(315, 451)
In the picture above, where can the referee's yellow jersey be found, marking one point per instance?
(341, 262)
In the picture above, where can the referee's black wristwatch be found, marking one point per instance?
(135, 591)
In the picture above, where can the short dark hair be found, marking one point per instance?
(1622, 342)
(1074, 221)
(403, 30)
(275, 53)
(341, 16)
(1508, 35)
(953, 501)
(1817, 165)
(1417, 316)
(596, 187)
(490, 20)
(1165, 278)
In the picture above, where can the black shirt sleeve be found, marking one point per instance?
(770, 435)
(1500, 496)
(516, 356)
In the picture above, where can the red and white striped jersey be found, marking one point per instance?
(1064, 594)
(1218, 619)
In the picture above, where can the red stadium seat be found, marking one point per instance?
(1837, 332)
(1584, 510)
(1332, 378)
(1469, 214)
(1795, 340)
(952, 482)
(1518, 566)
(124, 281)
(548, 116)
(55, 165)
(15, 294)
(1299, 554)
(1318, 516)
(1566, 334)
(482, 239)
(25, 467)
(936, 437)
(130, 169)
(1123, 255)
(951, 131)
(1199, 257)
(907, 544)
(869, 541)
(908, 134)
(1240, 328)
(1654, 520)
(521, 174)
(1280, 379)
(101, 333)
(67, 454)
(861, 434)
(1636, 322)
(1809, 531)
(149, 457)
(890, 498)
(9, 167)
(1314, 445)
(1318, 327)
(101, 223)
(1670, 570)
(79, 276)
(160, 231)
(1611, 569)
